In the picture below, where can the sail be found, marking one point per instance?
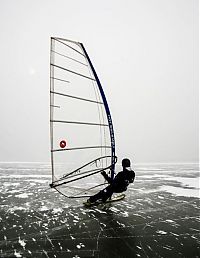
(81, 129)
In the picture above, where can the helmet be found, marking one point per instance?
(126, 163)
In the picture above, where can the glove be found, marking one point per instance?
(131, 180)
(103, 173)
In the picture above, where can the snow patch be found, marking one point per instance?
(57, 210)
(22, 243)
(23, 195)
(10, 184)
(161, 232)
(114, 209)
(17, 208)
(81, 245)
(169, 220)
(124, 214)
(43, 208)
(17, 254)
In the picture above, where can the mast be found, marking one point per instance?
(112, 137)
(51, 102)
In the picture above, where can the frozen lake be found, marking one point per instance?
(158, 218)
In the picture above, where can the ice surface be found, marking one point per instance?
(158, 218)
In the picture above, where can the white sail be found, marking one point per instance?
(82, 137)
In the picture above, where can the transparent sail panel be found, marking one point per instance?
(78, 120)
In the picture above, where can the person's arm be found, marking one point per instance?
(107, 178)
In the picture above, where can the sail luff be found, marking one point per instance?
(112, 137)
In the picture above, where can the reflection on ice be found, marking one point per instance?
(189, 186)
(187, 181)
(179, 191)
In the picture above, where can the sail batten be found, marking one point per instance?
(77, 122)
(69, 58)
(58, 79)
(68, 70)
(75, 97)
(55, 106)
(69, 46)
(82, 148)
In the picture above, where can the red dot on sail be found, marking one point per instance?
(63, 144)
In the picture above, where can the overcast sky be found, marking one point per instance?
(145, 53)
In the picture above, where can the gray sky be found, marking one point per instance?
(145, 53)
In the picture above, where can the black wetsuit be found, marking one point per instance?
(118, 185)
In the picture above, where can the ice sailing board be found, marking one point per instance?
(81, 129)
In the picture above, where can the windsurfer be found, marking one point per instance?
(118, 185)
